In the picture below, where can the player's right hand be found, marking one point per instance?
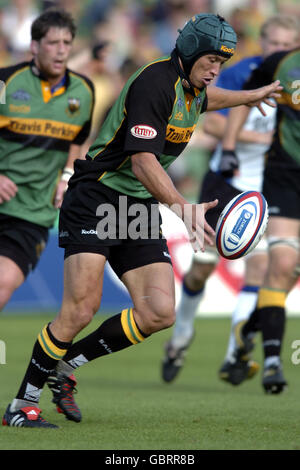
(8, 189)
(199, 231)
(229, 163)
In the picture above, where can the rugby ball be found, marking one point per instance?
(241, 224)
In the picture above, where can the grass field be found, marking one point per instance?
(126, 406)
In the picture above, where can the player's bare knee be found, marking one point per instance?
(160, 320)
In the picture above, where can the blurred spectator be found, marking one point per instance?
(143, 48)
(118, 28)
(16, 20)
(5, 55)
(95, 64)
(97, 11)
(246, 24)
(165, 30)
(289, 7)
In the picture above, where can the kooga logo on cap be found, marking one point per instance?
(226, 49)
(142, 131)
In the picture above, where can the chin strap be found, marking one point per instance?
(181, 73)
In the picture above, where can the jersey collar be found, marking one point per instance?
(63, 83)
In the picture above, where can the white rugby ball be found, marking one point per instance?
(241, 224)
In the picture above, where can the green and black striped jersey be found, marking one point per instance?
(154, 113)
(284, 66)
(37, 127)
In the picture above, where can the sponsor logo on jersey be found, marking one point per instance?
(180, 103)
(142, 131)
(41, 127)
(21, 95)
(23, 108)
(198, 103)
(227, 49)
(179, 135)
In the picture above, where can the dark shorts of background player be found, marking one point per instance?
(78, 228)
(281, 188)
(214, 186)
(21, 241)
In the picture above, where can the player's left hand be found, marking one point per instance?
(263, 95)
(60, 192)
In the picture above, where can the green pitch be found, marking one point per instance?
(125, 405)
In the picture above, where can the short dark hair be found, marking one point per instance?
(52, 17)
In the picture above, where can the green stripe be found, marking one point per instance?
(51, 353)
(130, 327)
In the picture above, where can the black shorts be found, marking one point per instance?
(281, 193)
(127, 231)
(124, 258)
(213, 187)
(21, 241)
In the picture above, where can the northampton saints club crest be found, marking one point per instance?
(73, 105)
(198, 103)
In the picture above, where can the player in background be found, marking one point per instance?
(281, 189)
(224, 181)
(148, 127)
(44, 122)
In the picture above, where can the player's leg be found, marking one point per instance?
(83, 275)
(192, 290)
(21, 244)
(147, 273)
(284, 252)
(233, 370)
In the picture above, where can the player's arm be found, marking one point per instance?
(235, 121)
(214, 124)
(150, 173)
(74, 153)
(219, 98)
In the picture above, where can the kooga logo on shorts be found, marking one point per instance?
(142, 131)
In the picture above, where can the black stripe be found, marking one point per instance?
(46, 143)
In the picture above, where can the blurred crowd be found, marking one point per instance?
(116, 37)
